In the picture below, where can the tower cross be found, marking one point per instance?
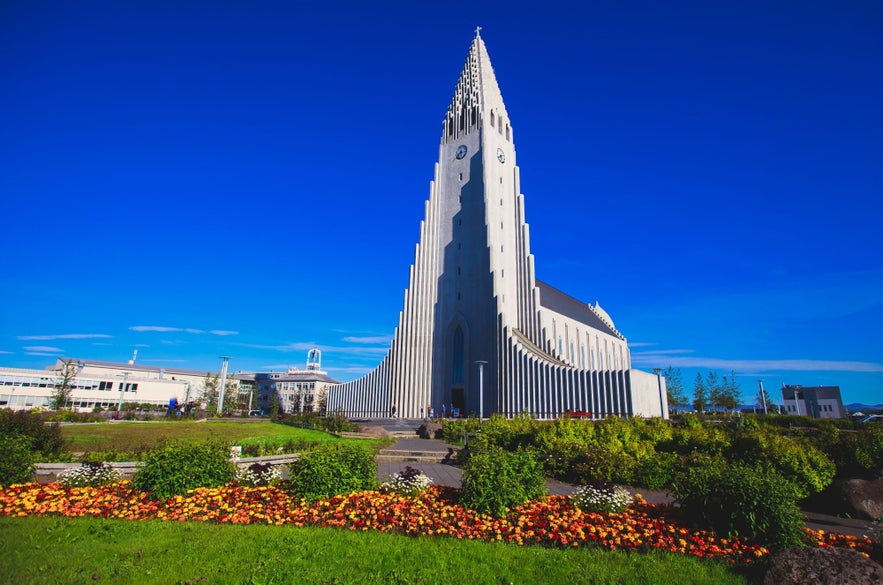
(477, 31)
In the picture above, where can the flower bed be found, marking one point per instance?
(552, 521)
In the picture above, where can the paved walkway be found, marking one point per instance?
(448, 475)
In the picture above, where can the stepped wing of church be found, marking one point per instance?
(479, 333)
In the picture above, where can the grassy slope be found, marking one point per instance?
(81, 550)
(137, 436)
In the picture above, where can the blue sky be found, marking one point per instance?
(196, 179)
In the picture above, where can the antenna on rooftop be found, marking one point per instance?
(134, 357)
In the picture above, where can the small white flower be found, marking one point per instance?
(408, 482)
(602, 497)
(89, 475)
(258, 474)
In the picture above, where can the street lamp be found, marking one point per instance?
(481, 364)
(762, 395)
(226, 359)
(122, 390)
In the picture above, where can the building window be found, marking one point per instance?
(457, 355)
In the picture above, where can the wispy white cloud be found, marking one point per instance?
(64, 336)
(641, 343)
(43, 348)
(164, 329)
(669, 357)
(6, 352)
(302, 346)
(375, 339)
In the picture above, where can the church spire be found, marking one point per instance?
(477, 97)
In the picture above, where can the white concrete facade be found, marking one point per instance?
(473, 297)
(25, 389)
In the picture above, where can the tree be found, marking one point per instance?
(674, 386)
(322, 404)
(700, 395)
(64, 386)
(729, 392)
(210, 386)
(232, 398)
(713, 387)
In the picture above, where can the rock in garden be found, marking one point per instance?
(430, 430)
(822, 566)
(865, 497)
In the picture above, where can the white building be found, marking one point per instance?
(24, 389)
(478, 331)
(296, 390)
(813, 401)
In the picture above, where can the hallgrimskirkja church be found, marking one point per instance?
(478, 332)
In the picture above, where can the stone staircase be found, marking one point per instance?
(393, 454)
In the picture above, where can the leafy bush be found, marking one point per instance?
(408, 482)
(91, 474)
(453, 429)
(857, 454)
(177, 467)
(73, 416)
(810, 470)
(751, 502)
(604, 464)
(333, 469)
(657, 471)
(46, 440)
(258, 474)
(601, 497)
(495, 480)
(17, 461)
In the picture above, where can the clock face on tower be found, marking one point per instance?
(461, 151)
(501, 156)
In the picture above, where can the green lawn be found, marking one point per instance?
(86, 550)
(137, 437)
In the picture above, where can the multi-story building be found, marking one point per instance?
(107, 388)
(296, 390)
(813, 401)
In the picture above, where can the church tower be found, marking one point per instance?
(477, 331)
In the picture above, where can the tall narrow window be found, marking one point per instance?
(457, 356)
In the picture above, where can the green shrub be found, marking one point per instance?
(453, 429)
(495, 480)
(332, 469)
(657, 471)
(694, 436)
(17, 460)
(604, 464)
(46, 440)
(810, 470)
(175, 468)
(750, 502)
